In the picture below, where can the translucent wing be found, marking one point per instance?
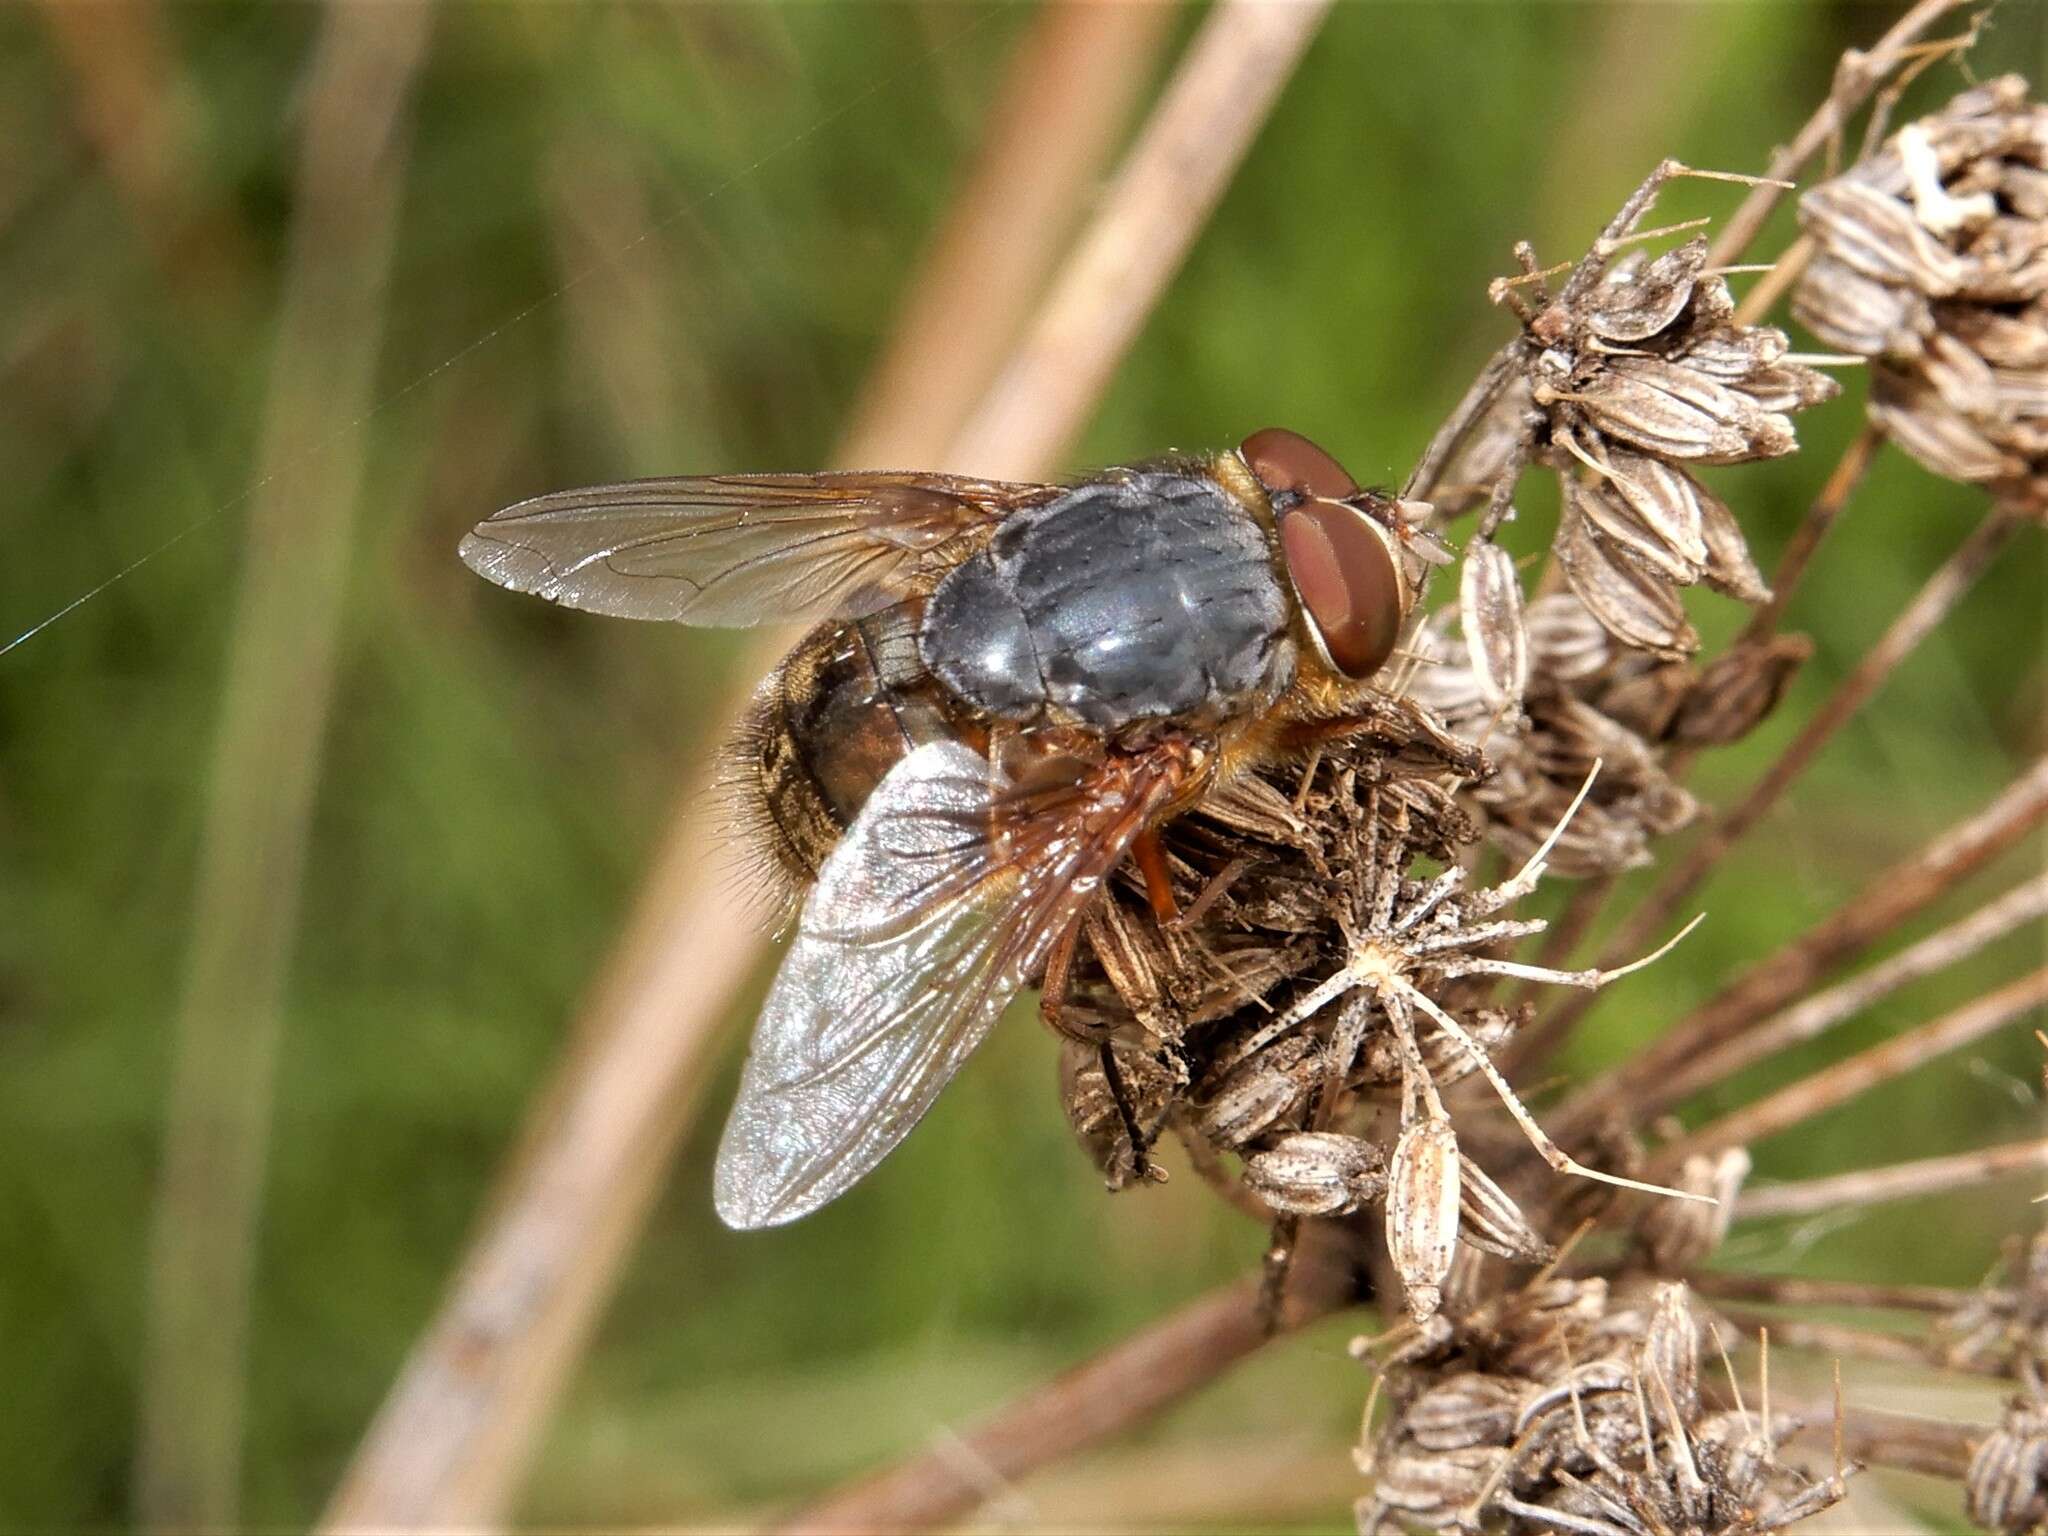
(942, 899)
(742, 549)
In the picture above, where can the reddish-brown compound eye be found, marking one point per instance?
(1287, 461)
(1344, 574)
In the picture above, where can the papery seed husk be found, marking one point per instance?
(1879, 236)
(1944, 441)
(1422, 1211)
(1962, 378)
(1666, 499)
(2002, 340)
(1435, 1481)
(1731, 355)
(1738, 690)
(1729, 568)
(1670, 412)
(1681, 1235)
(1490, 613)
(1616, 522)
(1789, 387)
(1671, 1346)
(1489, 1219)
(1256, 1094)
(1316, 1173)
(1859, 314)
(1636, 607)
(1465, 1408)
(1566, 643)
(1651, 297)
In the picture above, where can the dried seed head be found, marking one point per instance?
(1737, 691)
(1490, 601)
(1933, 261)
(1490, 1220)
(1317, 1173)
(2007, 1485)
(1680, 1235)
(1422, 1211)
(1464, 1408)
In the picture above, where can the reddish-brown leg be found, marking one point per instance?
(1151, 857)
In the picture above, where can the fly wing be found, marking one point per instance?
(742, 549)
(943, 898)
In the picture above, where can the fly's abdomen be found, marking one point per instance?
(845, 705)
(1151, 595)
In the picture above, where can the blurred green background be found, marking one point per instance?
(635, 238)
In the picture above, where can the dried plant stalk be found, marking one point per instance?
(1889, 899)
(1899, 1181)
(2023, 904)
(1836, 1085)
(1116, 1389)
(452, 1441)
(267, 752)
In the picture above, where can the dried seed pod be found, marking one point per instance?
(1636, 608)
(1489, 1219)
(1636, 302)
(1738, 690)
(1422, 1211)
(1317, 1173)
(1681, 1235)
(1490, 601)
(2007, 1484)
(1463, 1409)
(1671, 1346)
(1932, 260)
(1430, 1486)
(1259, 1093)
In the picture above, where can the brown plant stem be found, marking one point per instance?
(1824, 1010)
(1900, 1441)
(267, 752)
(1887, 900)
(1152, 211)
(1797, 1291)
(1874, 67)
(1933, 603)
(1120, 1387)
(1896, 1181)
(1857, 1343)
(452, 1441)
(1844, 1080)
(1011, 217)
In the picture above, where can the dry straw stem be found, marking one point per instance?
(1897, 1181)
(266, 763)
(452, 1441)
(1861, 75)
(1888, 900)
(1824, 1010)
(1797, 1291)
(1152, 212)
(1837, 1084)
(1844, 1340)
(1900, 1441)
(1118, 1388)
(1821, 516)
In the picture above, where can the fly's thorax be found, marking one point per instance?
(1144, 595)
(845, 705)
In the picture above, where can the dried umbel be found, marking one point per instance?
(1563, 1406)
(2007, 1486)
(1569, 722)
(1932, 260)
(1631, 375)
(2004, 1329)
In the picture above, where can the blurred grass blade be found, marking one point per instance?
(273, 717)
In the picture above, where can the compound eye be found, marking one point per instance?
(1287, 461)
(1345, 576)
